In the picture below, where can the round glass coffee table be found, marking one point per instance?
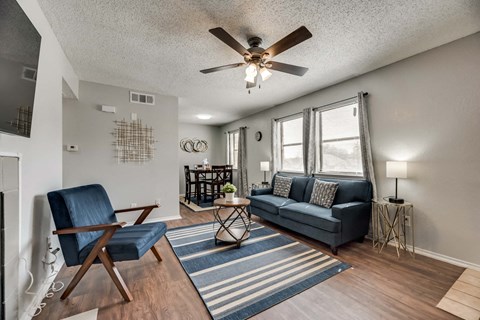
(236, 227)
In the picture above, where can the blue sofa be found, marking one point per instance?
(348, 219)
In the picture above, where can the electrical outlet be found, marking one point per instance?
(157, 201)
(133, 205)
(408, 221)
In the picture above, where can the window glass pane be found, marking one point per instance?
(292, 131)
(340, 123)
(342, 156)
(292, 158)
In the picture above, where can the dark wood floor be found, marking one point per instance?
(377, 287)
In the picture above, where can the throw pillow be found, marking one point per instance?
(282, 186)
(323, 193)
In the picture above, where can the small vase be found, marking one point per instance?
(229, 196)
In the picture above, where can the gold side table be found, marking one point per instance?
(227, 232)
(388, 224)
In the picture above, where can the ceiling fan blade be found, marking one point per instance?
(252, 85)
(225, 37)
(228, 66)
(294, 38)
(288, 68)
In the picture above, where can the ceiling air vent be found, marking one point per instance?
(29, 74)
(142, 98)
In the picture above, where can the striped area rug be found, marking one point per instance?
(239, 283)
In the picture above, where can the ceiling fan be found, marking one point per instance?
(257, 59)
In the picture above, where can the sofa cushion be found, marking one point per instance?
(323, 193)
(282, 186)
(348, 190)
(130, 243)
(269, 202)
(298, 188)
(312, 215)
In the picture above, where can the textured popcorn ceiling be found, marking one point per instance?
(160, 46)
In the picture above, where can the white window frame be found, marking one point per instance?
(319, 143)
(279, 123)
(231, 151)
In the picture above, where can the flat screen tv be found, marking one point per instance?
(19, 53)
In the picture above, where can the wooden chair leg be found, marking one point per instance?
(155, 252)
(76, 279)
(88, 262)
(115, 275)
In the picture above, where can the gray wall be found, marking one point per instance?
(41, 155)
(425, 110)
(91, 129)
(215, 139)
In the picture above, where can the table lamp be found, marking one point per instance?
(396, 169)
(264, 166)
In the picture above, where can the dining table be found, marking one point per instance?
(201, 175)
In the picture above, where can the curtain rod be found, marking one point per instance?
(225, 132)
(294, 114)
(326, 105)
(290, 115)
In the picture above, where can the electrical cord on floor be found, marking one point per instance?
(54, 287)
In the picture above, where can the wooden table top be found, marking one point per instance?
(237, 202)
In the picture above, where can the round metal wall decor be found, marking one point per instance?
(193, 145)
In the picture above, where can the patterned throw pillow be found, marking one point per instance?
(323, 193)
(282, 186)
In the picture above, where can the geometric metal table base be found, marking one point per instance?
(388, 224)
(227, 232)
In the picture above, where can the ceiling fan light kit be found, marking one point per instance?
(257, 58)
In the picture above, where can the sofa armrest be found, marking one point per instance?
(258, 192)
(339, 211)
(355, 217)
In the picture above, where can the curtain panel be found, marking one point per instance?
(367, 159)
(308, 142)
(242, 163)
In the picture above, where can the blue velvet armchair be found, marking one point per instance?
(89, 233)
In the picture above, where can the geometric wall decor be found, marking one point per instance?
(193, 145)
(133, 142)
(23, 122)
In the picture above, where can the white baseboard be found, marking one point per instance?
(444, 258)
(42, 291)
(440, 257)
(167, 218)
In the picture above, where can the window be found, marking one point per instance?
(338, 139)
(232, 148)
(291, 144)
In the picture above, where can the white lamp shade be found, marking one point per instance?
(396, 169)
(264, 165)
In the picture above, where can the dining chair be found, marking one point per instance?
(189, 183)
(216, 183)
(89, 233)
(228, 173)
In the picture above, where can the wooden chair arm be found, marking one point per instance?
(146, 211)
(153, 206)
(97, 227)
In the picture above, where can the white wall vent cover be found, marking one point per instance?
(142, 98)
(29, 74)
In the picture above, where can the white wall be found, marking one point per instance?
(425, 110)
(41, 155)
(215, 152)
(91, 129)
